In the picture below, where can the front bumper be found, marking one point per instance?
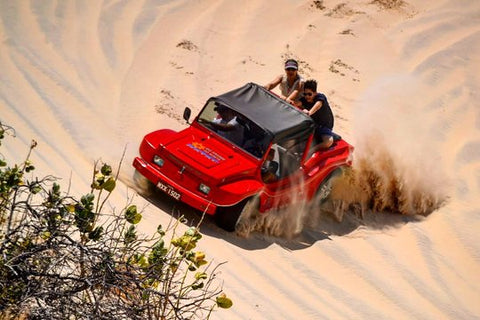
(186, 196)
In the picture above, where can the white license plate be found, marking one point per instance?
(168, 190)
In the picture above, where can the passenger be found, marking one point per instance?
(269, 168)
(291, 83)
(316, 106)
(227, 125)
(256, 139)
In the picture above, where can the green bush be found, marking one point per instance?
(64, 258)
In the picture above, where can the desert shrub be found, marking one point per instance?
(68, 258)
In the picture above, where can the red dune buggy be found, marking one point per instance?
(261, 154)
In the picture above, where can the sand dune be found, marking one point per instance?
(88, 79)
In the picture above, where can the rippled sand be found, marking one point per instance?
(87, 79)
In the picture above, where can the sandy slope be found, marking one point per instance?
(88, 79)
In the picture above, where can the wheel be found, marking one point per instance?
(143, 185)
(325, 188)
(227, 218)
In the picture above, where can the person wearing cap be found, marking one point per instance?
(291, 83)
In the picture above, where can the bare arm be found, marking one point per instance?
(275, 82)
(217, 125)
(293, 95)
(315, 107)
(223, 126)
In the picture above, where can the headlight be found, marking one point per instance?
(204, 188)
(158, 161)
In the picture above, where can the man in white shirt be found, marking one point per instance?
(227, 125)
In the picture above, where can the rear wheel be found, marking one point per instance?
(227, 218)
(325, 189)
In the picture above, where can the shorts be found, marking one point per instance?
(322, 131)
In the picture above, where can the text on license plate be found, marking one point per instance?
(168, 190)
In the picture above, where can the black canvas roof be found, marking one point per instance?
(268, 111)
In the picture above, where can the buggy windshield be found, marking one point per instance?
(235, 127)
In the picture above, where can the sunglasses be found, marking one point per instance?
(308, 94)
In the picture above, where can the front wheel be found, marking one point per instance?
(143, 185)
(227, 218)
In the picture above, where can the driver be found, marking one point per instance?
(227, 125)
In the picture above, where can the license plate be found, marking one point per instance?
(168, 190)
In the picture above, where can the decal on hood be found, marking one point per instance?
(206, 152)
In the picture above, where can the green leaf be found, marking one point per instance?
(191, 231)
(160, 230)
(56, 188)
(198, 259)
(200, 275)
(137, 218)
(106, 170)
(224, 302)
(36, 189)
(87, 200)
(130, 235)
(45, 235)
(131, 215)
(95, 234)
(140, 260)
(197, 286)
(109, 185)
(185, 242)
(158, 252)
(130, 212)
(98, 181)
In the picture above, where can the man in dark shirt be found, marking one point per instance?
(316, 106)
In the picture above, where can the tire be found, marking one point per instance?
(227, 218)
(324, 190)
(142, 184)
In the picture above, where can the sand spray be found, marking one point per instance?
(397, 164)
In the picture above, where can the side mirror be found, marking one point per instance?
(186, 114)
